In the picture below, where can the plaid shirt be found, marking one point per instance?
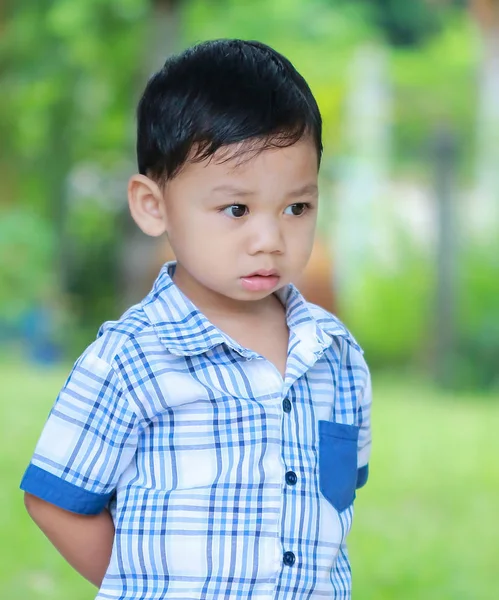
(223, 479)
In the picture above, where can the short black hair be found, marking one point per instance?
(219, 93)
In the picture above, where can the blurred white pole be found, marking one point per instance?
(364, 172)
(486, 199)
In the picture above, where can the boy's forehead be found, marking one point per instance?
(244, 158)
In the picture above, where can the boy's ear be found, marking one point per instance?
(147, 205)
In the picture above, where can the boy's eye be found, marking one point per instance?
(296, 209)
(236, 210)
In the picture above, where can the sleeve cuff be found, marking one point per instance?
(362, 475)
(53, 489)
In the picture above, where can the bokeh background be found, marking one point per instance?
(407, 252)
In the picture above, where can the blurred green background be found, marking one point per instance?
(409, 225)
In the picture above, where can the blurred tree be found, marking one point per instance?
(66, 95)
(402, 23)
(138, 257)
(479, 340)
(405, 23)
(443, 355)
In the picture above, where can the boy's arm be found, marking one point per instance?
(89, 439)
(85, 541)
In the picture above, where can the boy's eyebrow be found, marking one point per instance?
(233, 190)
(309, 189)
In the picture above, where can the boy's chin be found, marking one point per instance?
(241, 295)
(255, 296)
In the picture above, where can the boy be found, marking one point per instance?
(209, 443)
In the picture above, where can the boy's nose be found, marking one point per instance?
(266, 237)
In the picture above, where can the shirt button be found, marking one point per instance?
(286, 405)
(288, 559)
(291, 478)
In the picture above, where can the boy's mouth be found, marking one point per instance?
(260, 281)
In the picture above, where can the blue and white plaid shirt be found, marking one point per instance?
(223, 479)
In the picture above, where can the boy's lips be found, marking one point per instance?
(262, 280)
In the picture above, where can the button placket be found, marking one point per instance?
(290, 477)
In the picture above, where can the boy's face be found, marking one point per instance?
(243, 229)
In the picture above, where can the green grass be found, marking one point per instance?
(30, 569)
(426, 525)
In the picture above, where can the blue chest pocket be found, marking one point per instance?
(338, 462)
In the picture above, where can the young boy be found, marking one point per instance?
(209, 443)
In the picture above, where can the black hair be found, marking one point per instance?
(219, 93)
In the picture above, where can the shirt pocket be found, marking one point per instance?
(338, 462)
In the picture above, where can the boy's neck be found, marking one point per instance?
(257, 325)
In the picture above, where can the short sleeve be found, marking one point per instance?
(364, 441)
(89, 439)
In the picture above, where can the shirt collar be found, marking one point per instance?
(185, 331)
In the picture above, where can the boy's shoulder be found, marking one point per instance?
(344, 351)
(332, 326)
(118, 337)
(135, 333)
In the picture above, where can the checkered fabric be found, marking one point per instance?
(224, 480)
